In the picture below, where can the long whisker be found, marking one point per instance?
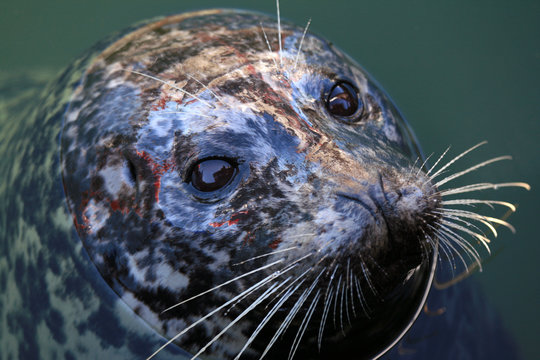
(472, 168)
(366, 273)
(265, 255)
(223, 284)
(484, 240)
(300, 45)
(269, 47)
(471, 215)
(326, 310)
(252, 306)
(279, 35)
(476, 201)
(290, 316)
(468, 223)
(483, 186)
(457, 158)
(438, 160)
(287, 268)
(206, 87)
(336, 300)
(423, 164)
(350, 287)
(231, 301)
(446, 251)
(241, 295)
(172, 85)
(305, 272)
(183, 112)
(269, 316)
(461, 242)
(361, 297)
(443, 236)
(304, 324)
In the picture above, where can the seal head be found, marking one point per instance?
(249, 190)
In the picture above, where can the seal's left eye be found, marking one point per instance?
(343, 101)
(212, 174)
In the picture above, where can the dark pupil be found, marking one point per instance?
(342, 100)
(212, 175)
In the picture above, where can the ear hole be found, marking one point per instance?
(132, 172)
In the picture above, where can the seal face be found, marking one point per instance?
(249, 191)
(272, 188)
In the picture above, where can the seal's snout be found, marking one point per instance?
(397, 207)
(408, 200)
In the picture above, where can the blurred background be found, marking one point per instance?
(461, 72)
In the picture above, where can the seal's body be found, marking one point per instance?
(243, 189)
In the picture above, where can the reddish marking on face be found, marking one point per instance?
(161, 103)
(251, 69)
(120, 205)
(158, 169)
(274, 244)
(248, 240)
(235, 219)
(79, 227)
(241, 55)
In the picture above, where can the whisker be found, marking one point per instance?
(471, 215)
(223, 284)
(443, 236)
(327, 303)
(206, 87)
(304, 324)
(279, 35)
(173, 86)
(446, 251)
(336, 300)
(483, 186)
(484, 240)
(446, 215)
(288, 319)
(457, 158)
(423, 164)
(300, 45)
(413, 166)
(341, 307)
(286, 268)
(184, 112)
(269, 47)
(265, 255)
(472, 168)
(461, 242)
(254, 304)
(329, 289)
(349, 286)
(468, 223)
(305, 272)
(438, 160)
(366, 273)
(476, 201)
(361, 297)
(269, 316)
(243, 294)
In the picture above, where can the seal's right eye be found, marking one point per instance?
(212, 174)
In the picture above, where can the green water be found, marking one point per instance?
(460, 71)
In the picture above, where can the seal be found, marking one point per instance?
(240, 187)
